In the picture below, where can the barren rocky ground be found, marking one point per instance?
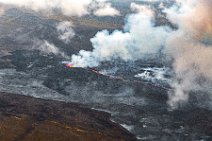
(30, 119)
(42, 99)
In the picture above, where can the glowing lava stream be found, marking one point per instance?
(70, 65)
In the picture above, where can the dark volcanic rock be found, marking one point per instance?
(60, 76)
(25, 60)
(63, 121)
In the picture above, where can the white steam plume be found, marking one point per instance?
(191, 48)
(67, 7)
(106, 10)
(65, 31)
(129, 44)
(190, 45)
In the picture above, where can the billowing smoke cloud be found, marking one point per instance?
(67, 7)
(129, 44)
(65, 31)
(191, 48)
(190, 45)
(106, 10)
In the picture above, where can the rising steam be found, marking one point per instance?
(189, 46)
(191, 49)
(65, 31)
(106, 10)
(129, 44)
(66, 7)
(48, 48)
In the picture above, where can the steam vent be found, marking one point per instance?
(105, 70)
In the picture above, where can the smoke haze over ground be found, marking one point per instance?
(67, 7)
(65, 30)
(155, 54)
(189, 45)
(1, 10)
(129, 44)
(191, 55)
